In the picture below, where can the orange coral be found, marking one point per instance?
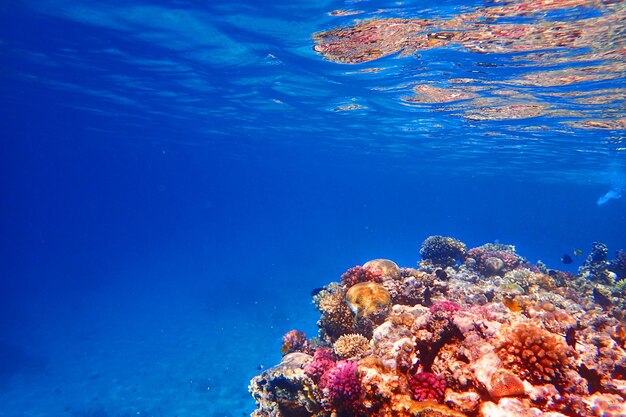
(535, 354)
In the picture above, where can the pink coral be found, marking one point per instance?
(294, 341)
(426, 386)
(323, 360)
(358, 274)
(341, 387)
(445, 305)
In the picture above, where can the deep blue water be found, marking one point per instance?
(175, 181)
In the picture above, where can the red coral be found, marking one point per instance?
(426, 386)
(341, 387)
(323, 360)
(445, 305)
(359, 274)
(294, 341)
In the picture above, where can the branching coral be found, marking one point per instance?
(426, 386)
(337, 319)
(358, 274)
(445, 305)
(323, 360)
(442, 251)
(535, 354)
(341, 388)
(351, 345)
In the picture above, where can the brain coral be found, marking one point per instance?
(368, 299)
(535, 354)
(351, 346)
(443, 251)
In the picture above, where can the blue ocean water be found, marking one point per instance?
(176, 177)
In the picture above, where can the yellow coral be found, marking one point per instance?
(368, 298)
(351, 345)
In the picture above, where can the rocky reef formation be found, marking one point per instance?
(478, 332)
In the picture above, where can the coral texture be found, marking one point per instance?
(427, 386)
(351, 345)
(358, 274)
(368, 299)
(341, 387)
(535, 353)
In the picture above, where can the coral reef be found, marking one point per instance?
(493, 336)
(442, 251)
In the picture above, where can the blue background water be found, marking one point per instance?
(175, 182)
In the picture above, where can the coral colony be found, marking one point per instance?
(477, 332)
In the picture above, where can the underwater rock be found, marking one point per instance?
(285, 390)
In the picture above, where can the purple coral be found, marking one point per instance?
(294, 341)
(445, 305)
(341, 387)
(358, 274)
(323, 360)
(426, 386)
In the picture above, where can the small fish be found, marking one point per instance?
(316, 291)
(570, 336)
(601, 299)
(578, 252)
(566, 259)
